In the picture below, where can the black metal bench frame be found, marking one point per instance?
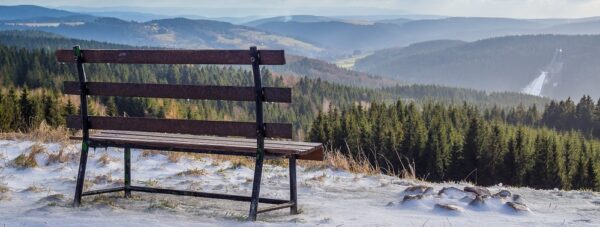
(253, 57)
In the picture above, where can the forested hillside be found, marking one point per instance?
(173, 33)
(37, 70)
(441, 142)
(497, 64)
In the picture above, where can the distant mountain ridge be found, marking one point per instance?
(329, 38)
(345, 37)
(295, 65)
(496, 64)
(174, 33)
(31, 11)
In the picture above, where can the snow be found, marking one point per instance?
(536, 85)
(327, 197)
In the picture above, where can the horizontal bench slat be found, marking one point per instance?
(196, 137)
(194, 127)
(228, 57)
(231, 93)
(315, 153)
(276, 148)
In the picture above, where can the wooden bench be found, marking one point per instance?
(194, 136)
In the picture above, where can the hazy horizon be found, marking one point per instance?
(459, 8)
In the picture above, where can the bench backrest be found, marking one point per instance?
(257, 94)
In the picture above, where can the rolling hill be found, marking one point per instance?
(345, 37)
(31, 11)
(295, 65)
(173, 33)
(497, 64)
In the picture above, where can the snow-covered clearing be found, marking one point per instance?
(42, 195)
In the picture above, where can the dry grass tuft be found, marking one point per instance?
(335, 159)
(240, 162)
(150, 183)
(60, 157)
(104, 200)
(104, 159)
(34, 188)
(27, 160)
(103, 179)
(149, 153)
(193, 172)
(174, 157)
(43, 133)
(3, 189)
(163, 204)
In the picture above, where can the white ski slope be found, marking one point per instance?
(41, 196)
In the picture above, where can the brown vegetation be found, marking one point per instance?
(27, 159)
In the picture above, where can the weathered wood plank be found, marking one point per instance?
(310, 151)
(228, 57)
(250, 145)
(231, 93)
(302, 152)
(194, 127)
(197, 137)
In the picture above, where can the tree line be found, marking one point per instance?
(564, 115)
(457, 142)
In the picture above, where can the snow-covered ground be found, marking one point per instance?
(41, 196)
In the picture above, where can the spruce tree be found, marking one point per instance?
(52, 113)
(474, 147)
(26, 110)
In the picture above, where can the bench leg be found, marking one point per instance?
(256, 186)
(127, 167)
(81, 174)
(293, 189)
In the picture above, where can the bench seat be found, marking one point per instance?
(209, 144)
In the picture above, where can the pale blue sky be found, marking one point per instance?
(491, 8)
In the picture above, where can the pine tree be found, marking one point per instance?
(26, 110)
(474, 147)
(584, 115)
(52, 113)
(522, 154)
(111, 107)
(437, 149)
(539, 173)
(492, 159)
(596, 124)
(69, 109)
(553, 164)
(415, 137)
